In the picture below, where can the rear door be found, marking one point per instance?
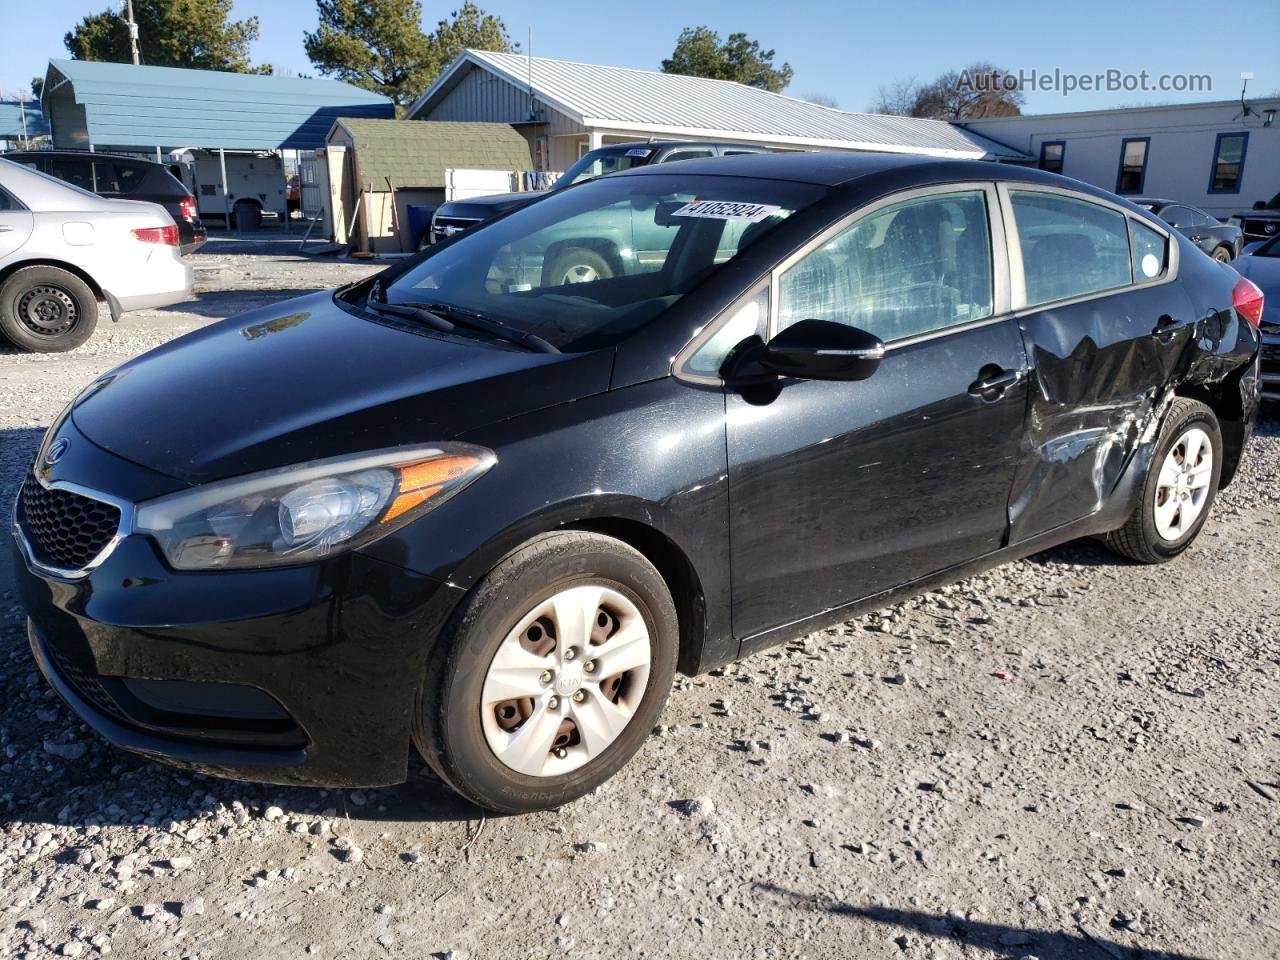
(16, 223)
(1106, 330)
(839, 491)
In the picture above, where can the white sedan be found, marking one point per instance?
(64, 251)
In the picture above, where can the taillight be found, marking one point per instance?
(166, 235)
(187, 207)
(1247, 299)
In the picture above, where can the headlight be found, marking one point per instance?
(301, 513)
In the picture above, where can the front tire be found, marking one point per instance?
(1179, 489)
(550, 675)
(46, 310)
(575, 265)
(1221, 254)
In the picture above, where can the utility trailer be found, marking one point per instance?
(255, 184)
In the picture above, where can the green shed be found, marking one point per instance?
(367, 161)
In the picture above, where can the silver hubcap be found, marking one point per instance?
(581, 273)
(47, 311)
(566, 681)
(1183, 486)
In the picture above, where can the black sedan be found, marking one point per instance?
(460, 507)
(1222, 241)
(1262, 267)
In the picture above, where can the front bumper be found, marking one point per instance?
(305, 675)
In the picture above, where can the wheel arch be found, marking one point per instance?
(636, 524)
(1225, 399)
(71, 268)
(604, 246)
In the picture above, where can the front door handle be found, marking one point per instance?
(5, 228)
(993, 385)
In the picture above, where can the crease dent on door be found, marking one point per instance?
(1096, 403)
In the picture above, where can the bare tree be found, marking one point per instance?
(897, 98)
(823, 100)
(980, 90)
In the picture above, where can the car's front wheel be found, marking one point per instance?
(1179, 489)
(550, 675)
(1222, 254)
(46, 310)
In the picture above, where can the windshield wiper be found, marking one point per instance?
(478, 321)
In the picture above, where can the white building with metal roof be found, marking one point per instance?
(566, 109)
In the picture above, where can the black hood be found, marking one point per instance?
(484, 208)
(306, 379)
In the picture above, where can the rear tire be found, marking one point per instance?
(1179, 489)
(248, 217)
(509, 635)
(46, 310)
(1221, 254)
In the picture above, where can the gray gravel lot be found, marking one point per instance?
(1071, 756)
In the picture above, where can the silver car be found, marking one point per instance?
(64, 252)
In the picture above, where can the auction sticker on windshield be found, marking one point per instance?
(727, 210)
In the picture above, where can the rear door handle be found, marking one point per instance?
(993, 386)
(5, 228)
(1166, 326)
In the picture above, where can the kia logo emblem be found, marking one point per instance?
(57, 451)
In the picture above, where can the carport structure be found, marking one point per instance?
(120, 106)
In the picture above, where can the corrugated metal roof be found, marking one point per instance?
(128, 106)
(11, 121)
(646, 101)
(415, 155)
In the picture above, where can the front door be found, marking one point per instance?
(841, 490)
(16, 223)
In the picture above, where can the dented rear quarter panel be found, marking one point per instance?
(1103, 372)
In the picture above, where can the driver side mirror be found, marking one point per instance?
(809, 350)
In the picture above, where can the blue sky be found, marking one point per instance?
(844, 50)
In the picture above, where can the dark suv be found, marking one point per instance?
(457, 215)
(1262, 222)
(122, 178)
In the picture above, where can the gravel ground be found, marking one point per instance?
(1071, 756)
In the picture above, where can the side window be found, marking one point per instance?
(1133, 165)
(747, 320)
(1199, 218)
(907, 269)
(1052, 153)
(1150, 252)
(1228, 162)
(1069, 247)
(73, 170)
(7, 202)
(129, 177)
(106, 177)
(732, 152)
(686, 155)
(1177, 216)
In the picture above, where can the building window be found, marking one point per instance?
(1133, 165)
(1228, 162)
(1052, 153)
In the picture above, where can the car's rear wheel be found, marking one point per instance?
(1222, 254)
(550, 675)
(1179, 489)
(46, 310)
(575, 265)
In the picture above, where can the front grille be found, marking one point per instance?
(64, 529)
(1260, 227)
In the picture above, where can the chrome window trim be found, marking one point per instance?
(123, 530)
(1018, 286)
(1000, 272)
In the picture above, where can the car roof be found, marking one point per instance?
(836, 169)
(79, 154)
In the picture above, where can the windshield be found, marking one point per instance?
(586, 267)
(606, 160)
